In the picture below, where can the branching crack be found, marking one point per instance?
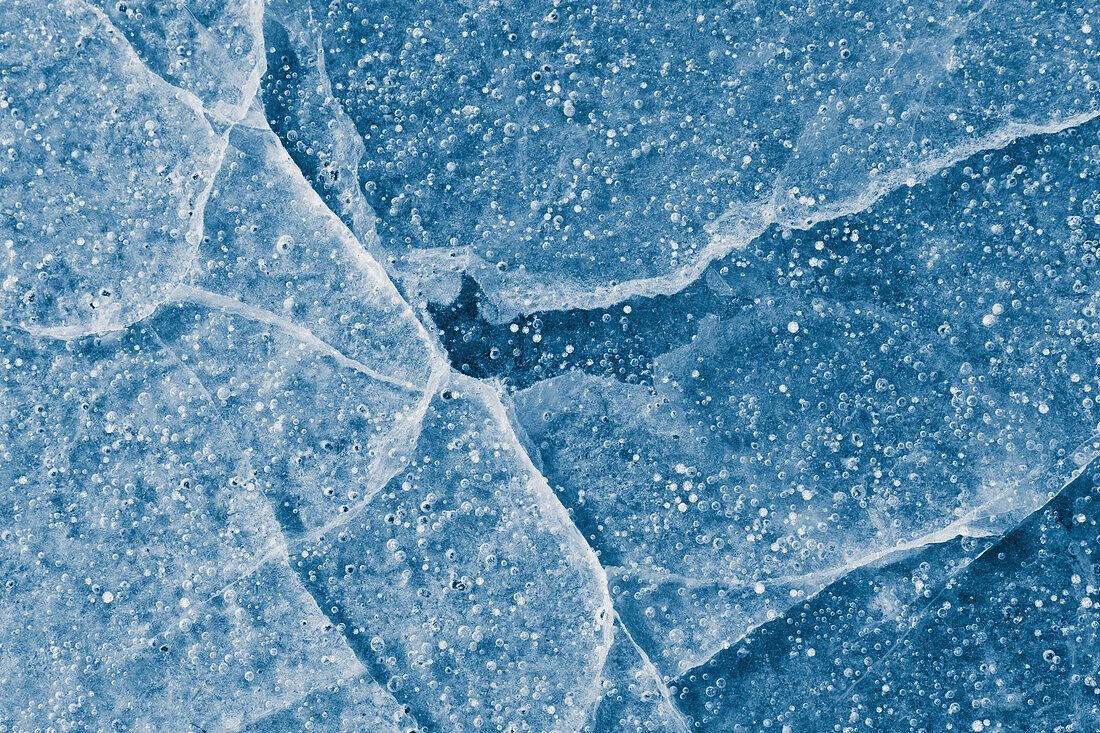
(200, 296)
(737, 228)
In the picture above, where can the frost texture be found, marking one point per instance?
(565, 367)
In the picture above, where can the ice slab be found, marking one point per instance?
(917, 372)
(1003, 642)
(353, 426)
(107, 171)
(462, 584)
(576, 155)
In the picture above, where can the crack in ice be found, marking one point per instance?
(737, 228)
(200, 296)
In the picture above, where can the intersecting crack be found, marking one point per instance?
(280, 550)
(200, 296)
(224, 115)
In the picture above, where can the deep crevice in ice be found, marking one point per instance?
(735, 229)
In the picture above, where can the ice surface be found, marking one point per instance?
(476, 601)
(511, 367)
(1003, 642)
(574, 155)
(114, 122)
(211, 48)
(889, 384)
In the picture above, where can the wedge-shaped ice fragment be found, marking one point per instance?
(298, 102)
(577, 155)
(147, 582)
(820, 646)
(1003, 643)
(702, 547)
(321, 435)
(462, 585)
(885, 381)
(272, 246)
(635, 699)
(105, 176)
(211, 48)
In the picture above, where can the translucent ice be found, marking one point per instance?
(220, 516)
(875, 383)
(634, 696)
(148, 581)
(1003, 642)
(568, 367)
(463, 585)
(106, 175)
(574, 155)
(211, 48)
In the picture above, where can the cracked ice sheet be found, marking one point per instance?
(106, 177)
(313, 375)
(635, 699)
(1005, 642)
(354, 425)
(575, 155)
(920, 371)
(161, 472)
(319, 368)
(463, 586)
(130, 535)
(272, 649)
